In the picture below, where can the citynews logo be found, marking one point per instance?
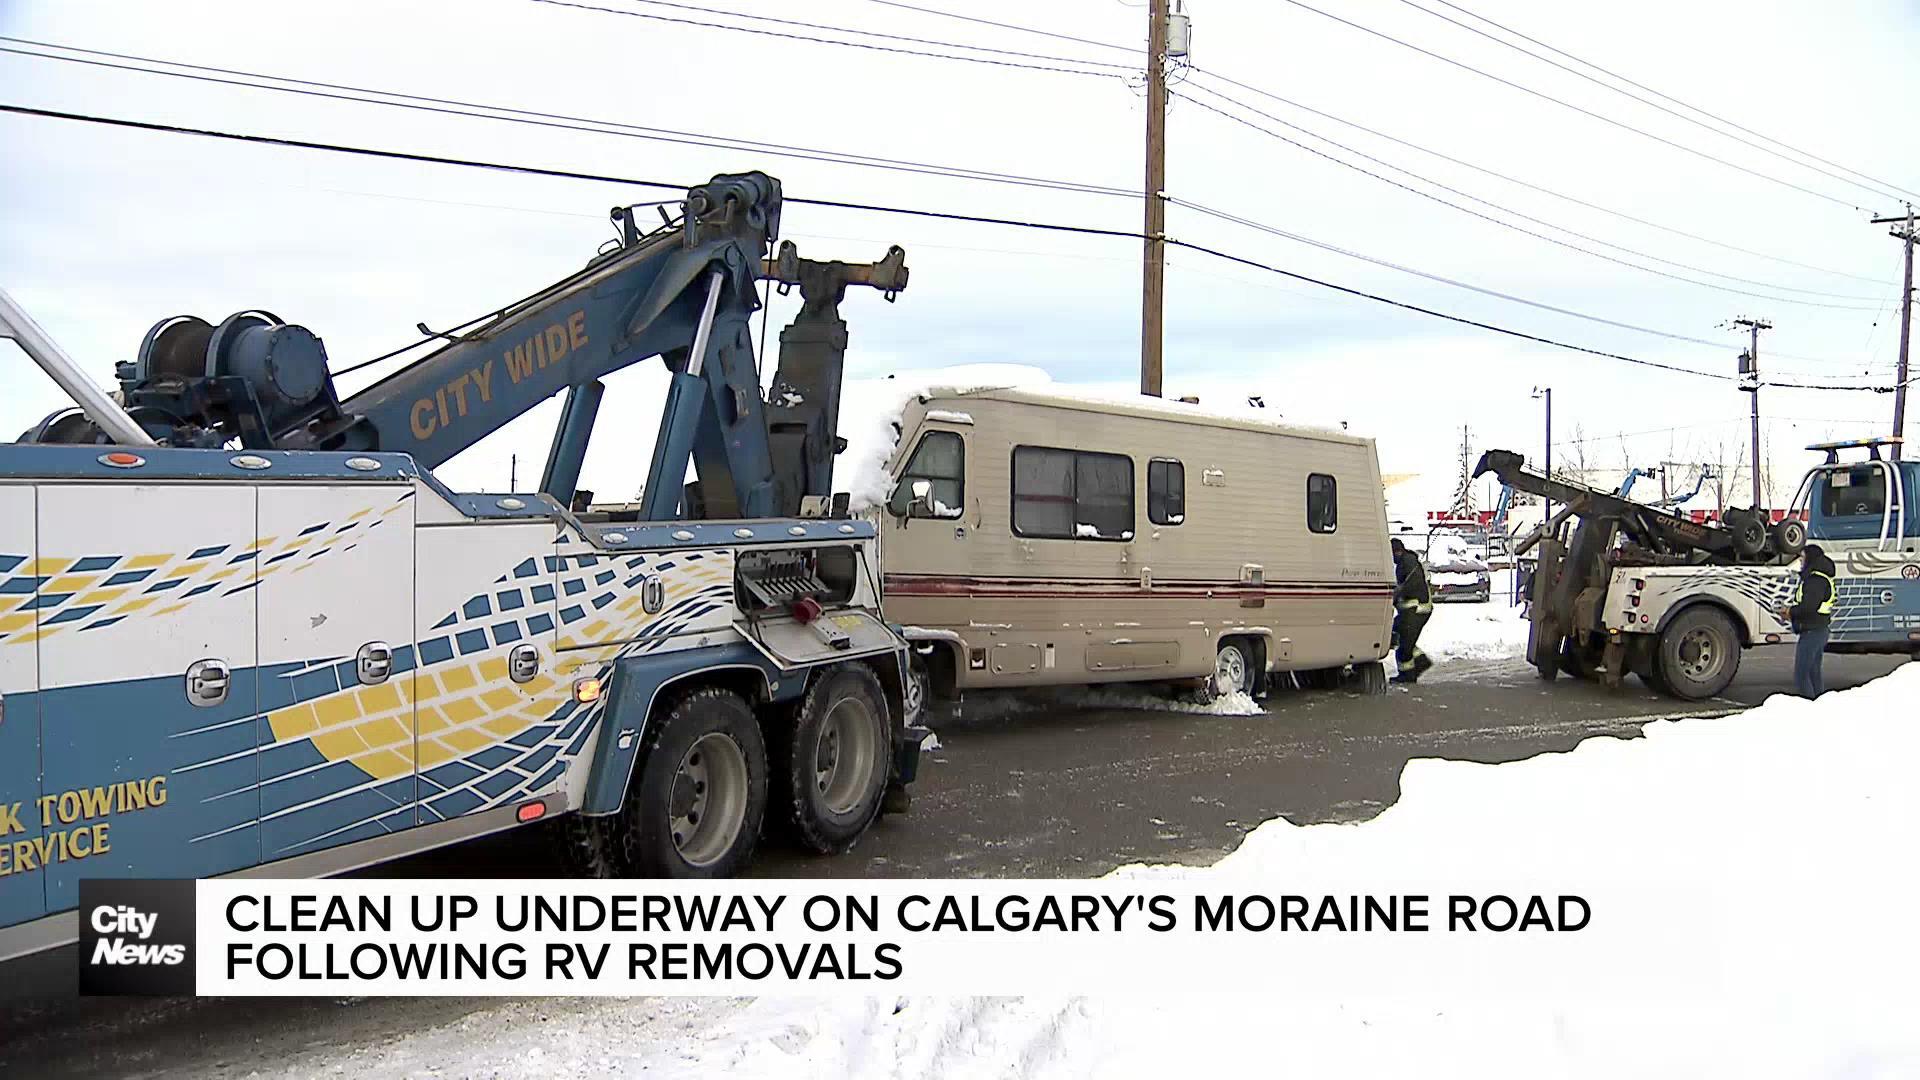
(136, 937)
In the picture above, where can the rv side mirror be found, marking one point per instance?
(921, 505)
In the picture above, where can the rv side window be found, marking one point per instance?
(1072, 494)
(941, 460)
(1323, 503)
(1166, 491)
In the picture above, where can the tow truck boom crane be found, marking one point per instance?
(684, 291)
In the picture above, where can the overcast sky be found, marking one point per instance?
(106, 231)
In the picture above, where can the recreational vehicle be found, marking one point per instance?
(1032, 538)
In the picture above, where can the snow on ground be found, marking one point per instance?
(998, 704)
(1796, 880)
(1495, 630)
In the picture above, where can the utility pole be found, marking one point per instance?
(1153, 275)
(1904, 234)
(1750, 382)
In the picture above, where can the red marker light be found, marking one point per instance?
(532, 811)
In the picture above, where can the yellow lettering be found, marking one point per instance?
(133, 795)
(100, 845)
(156, 791)
(78, 850)
(46, 808)
(577, 328)
(23, 855)
(423, 425)
(440, 396)
(459, 388)
(6, 859)
(483, 381)
(556, 343)
(68, 808)
(96, 802)
(538, 348)
(10, 819)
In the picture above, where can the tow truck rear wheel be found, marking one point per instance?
(701, 792)
(1699, 653)
(834, 760)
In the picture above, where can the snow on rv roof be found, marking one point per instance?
(1244, 416)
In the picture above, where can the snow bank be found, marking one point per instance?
(870, 419)
(1494, 630)
(1804, 871)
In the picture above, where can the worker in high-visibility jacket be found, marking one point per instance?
(1811, 616)
(1412, 607)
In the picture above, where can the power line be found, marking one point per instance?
(1563, 103)
(876, 34)
(1435, 153)
(1877, 190)
(1524, 216)
(1136, 50)
(1506, 224)
(1249, 223)
(1083, 70)
(1526, 183)
(536, 118)
(1676, 101)
(946, 215)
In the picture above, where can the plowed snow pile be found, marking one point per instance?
(1781, 838)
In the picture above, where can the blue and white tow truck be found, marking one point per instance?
(244, 629)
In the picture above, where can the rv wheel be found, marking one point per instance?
(833, 763)
(1370, 678)
(1233, 668)
(701, 792)
(919, 688)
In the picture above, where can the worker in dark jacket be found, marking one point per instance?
(1811, 617)
(1412, 607)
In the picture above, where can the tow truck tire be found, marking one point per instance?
(1749, 532)
(833, 762)
(1543, 648)
(589, 847)
(701, 792)
(1699, 653)
(1653, 680)
(1575, 661)
(1789, 536)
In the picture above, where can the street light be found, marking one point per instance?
(1545, 393)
